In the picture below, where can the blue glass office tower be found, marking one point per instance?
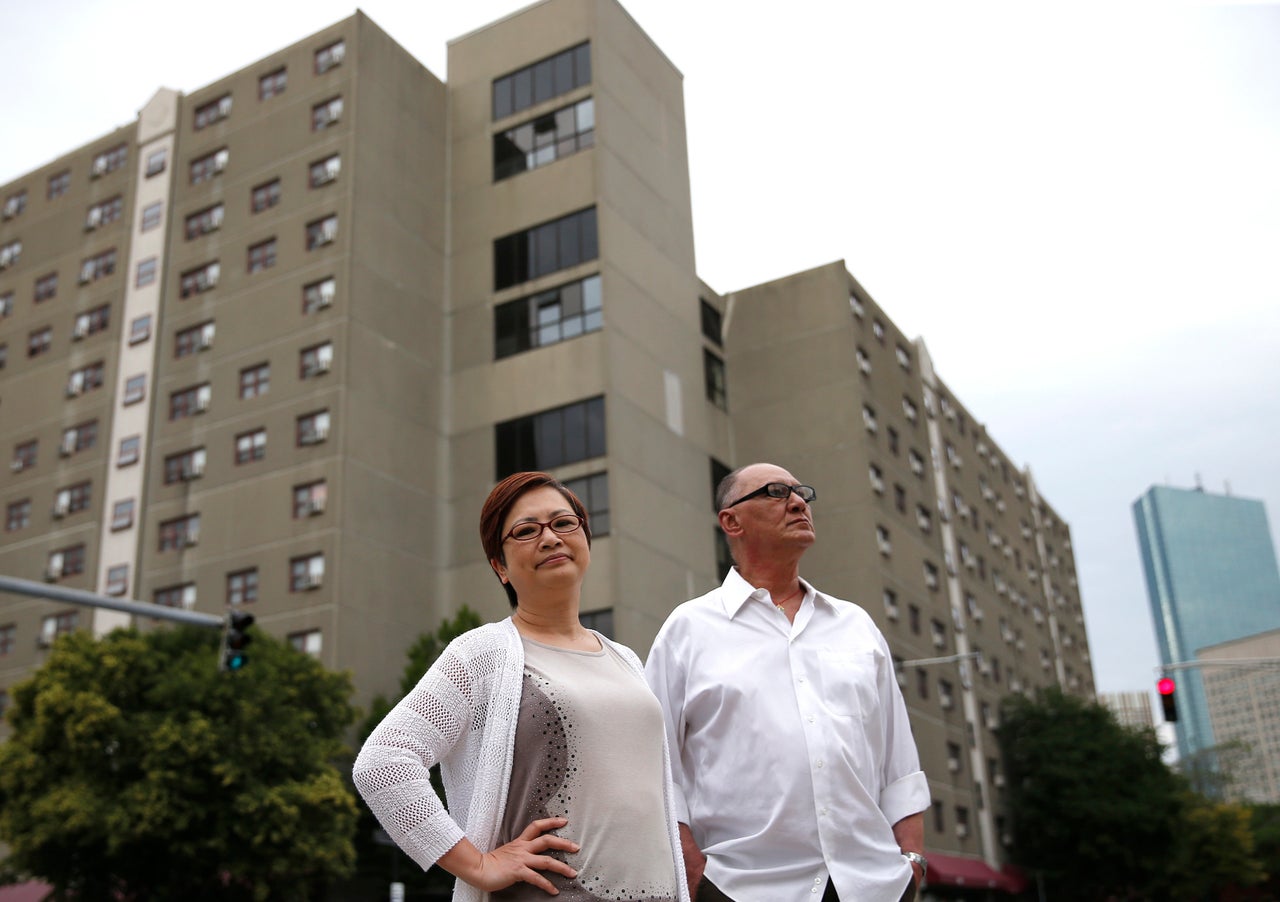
(1211, 576)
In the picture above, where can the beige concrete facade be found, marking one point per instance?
(922, 519)
(1242, 688)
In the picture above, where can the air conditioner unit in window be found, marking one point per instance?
(86, 274)
(53, 572)
(998, 780)
(315, 506)
(946, 703)
(17, 466)
(192, 469)
(43, 641)
(94, 219)
(962, 830)
(191, 538)
(323, 364)
(60, 509)
(939, 641)
(202, 402)
(81, 329)
(953, 765)
(310, 581)
(99, 167)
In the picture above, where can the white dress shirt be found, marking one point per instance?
(792, 754)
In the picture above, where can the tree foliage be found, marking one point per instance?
(1098, 815)
(1093, 806)
(136, 770)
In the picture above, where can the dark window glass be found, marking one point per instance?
(718, 472)
(545, 249)
(593, 492)
(713, 372)
(541, 81)
(600, 621)
(711, 322)
(551, 439)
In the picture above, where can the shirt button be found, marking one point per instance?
(810, 718)
(817, 881)
(813, 890)
(824, 811)
(799, 679)
(819, 762)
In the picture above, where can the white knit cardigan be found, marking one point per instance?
(463, 714)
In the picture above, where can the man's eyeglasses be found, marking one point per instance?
(531, 529)
(779, 490)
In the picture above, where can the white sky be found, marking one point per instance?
(1074, 205)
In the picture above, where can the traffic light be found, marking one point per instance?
(1166, 689)
(234, 640)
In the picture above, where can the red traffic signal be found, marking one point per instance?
(1166, 687)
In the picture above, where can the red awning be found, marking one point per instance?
(31, 891)
(952, 870)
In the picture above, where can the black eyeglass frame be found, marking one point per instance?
(542, 527)
(807, 493)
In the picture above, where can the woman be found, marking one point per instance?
(550, 744)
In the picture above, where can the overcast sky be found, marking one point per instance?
(1077, 207)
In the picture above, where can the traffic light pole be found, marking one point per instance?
(1218, 662)
(92, 600)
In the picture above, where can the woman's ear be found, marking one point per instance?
(499, 568)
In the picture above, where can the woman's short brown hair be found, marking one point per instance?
(504, 497)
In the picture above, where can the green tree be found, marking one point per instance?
(1214, 849)
(1094, 809)
(136, 770)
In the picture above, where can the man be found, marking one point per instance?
(796, 774)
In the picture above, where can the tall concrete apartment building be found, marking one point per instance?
(1242, 689)
(1211, 575)
(271, 344)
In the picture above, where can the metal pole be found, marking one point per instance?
(93, 600)
(1219, 662)
(947, 659)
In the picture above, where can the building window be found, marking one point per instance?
(39, 341)
(129, 451)
(255, 381)
(883, 543)
(206, 167)
(600, 621)
(545, 248)
(916, 462)
(326, 114)
(265, 196)
(946, 694)
(262, 255)
(73, 499)
(251, 446)
(17, 515)
(313, 428)
(316, 360)
(322, 231)
(904, 358)
(890, 599)
(46, 287)
(188, 402)
(4, 354)
(714, 379)
(6, 304)
(893, 439)
(14, 204)
(122, 514)
(922, 683)
(152, 215)
(59, 184)
(877, 479)
(193, 339)
(24, 455)
(547, 317)
(541, 81)
(322, 172)
(146, 275)
(67, 562)
(213, 111)
(156, 162)
(544, 140)
(272, 84)
(135, 389)
(56, 625)
(909, 409)
(319, 295)
(91, 321)
(109, 161)
(306, 572)
(869, 418)
(718, 473)
(201, 279)
(308, 642)
(712, 322)
(931, 575)
(180, 596)
(309, 500)
(98, 266)
(118, 579)
(864, 362)
(242, 586)
(184, 466)
(180, 532)
(205, 221)
(10, 254)
(593, 492)
(877, 329)
(8, 636)
(104, 213)
(552, 438)
(330, 56)
(79, 438)
(85, 379)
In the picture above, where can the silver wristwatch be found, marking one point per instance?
(917, 858)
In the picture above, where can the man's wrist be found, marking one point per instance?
(917, 858)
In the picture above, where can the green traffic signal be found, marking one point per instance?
(234, 640)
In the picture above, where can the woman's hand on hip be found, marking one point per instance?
(520, 861)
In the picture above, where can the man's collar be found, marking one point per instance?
(736, 592)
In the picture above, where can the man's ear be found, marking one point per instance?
(499, 568)
(729, 523)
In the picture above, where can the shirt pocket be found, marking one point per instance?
(848, 680)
